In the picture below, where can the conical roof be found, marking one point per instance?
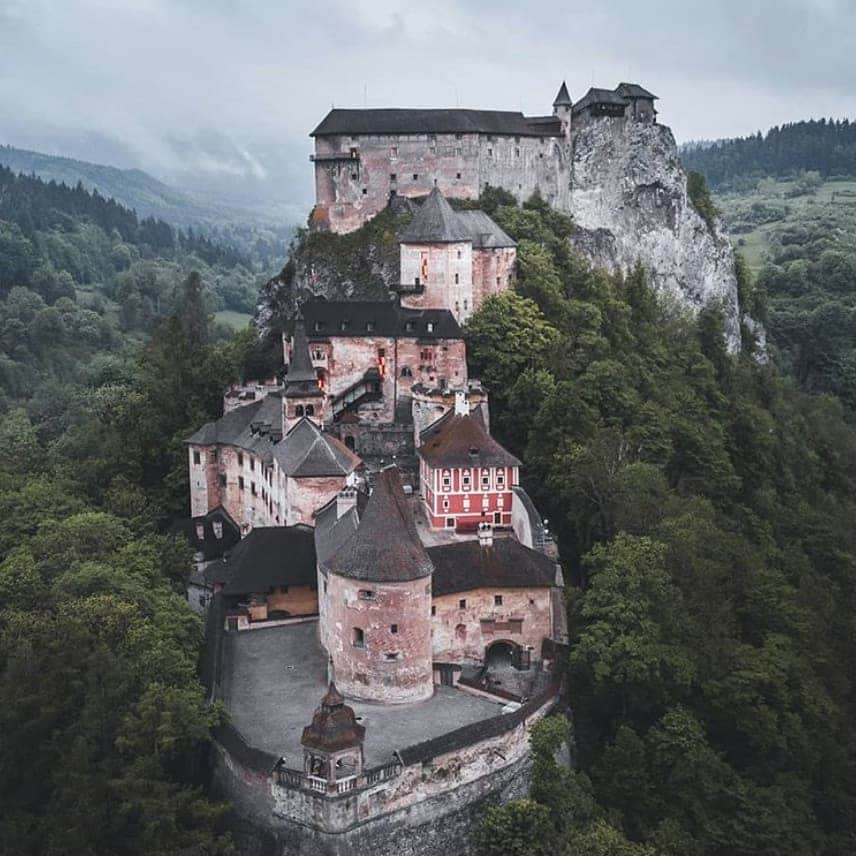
(385, 546)
(435, 223)
(301, 380)
(334, 725)
(563, 99)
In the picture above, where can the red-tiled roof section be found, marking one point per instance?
(462, 441)
(386, 546)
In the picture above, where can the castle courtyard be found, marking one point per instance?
(274, 678)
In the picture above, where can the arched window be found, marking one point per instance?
(406, 372)
(298, 410)
(310, 409)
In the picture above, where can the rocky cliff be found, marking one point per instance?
(629, 203)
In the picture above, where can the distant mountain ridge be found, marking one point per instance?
(132, 188)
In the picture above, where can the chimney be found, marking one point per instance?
(485, 535)
(462, 408)
(346, 499)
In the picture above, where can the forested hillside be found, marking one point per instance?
(704, 507)
(826, 146)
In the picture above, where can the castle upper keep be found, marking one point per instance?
(363, 157)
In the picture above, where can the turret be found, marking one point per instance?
(302, 395)
(333, 743)
(562, 107)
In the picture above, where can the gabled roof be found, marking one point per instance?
(307, 451)
(462, 441)
(210, 546)
(434, 223)
(467, 565)
(483, 232)
(329, 319)
(301, 380)
(600, 96)
(385, 547)
(396, 120)
(634, 90)
(563, 99)
(270, 556)
(248, 427)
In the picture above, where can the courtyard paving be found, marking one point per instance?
(273, 680)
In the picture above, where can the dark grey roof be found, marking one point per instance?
(271, 556)
(483, 232)
(385, 547)
(563, 99)
(209, 545)
(634, 90)
(332, 531)
(326, 318)
(301, 380)
(413, 121)
(599, 97)
(307, 451)
(304, 452)
(249, 427)
(467, 565)
(434, 223)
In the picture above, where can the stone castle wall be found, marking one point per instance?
(351, 190)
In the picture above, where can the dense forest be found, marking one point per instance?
(826, 146)
(704, 507)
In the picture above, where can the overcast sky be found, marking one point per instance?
(219, 90)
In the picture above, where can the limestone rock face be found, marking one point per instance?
(629, 203)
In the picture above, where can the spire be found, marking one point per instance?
(563, 99)
(334, 725)
(301, 379)
(435, 223)
(385, 546)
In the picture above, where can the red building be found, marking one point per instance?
(466, 476)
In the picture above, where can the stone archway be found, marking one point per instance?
(503, 654)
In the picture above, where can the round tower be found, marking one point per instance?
(563, 108)
(377, 615)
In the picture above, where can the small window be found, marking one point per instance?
(406, 372)
(366, 594)
(459, 252)
(365, 191)
(310, 410)
(459, 136)
(490, 153)
(197, 458)
(408, 326)
(433, 610)
(393, 628)
(392, 655)
(457, 279)
(253, 488)
(416, 176)
(497, 280)
(358, 638)
(381, 353)
(445, 505)
(252, 464)
(497, 600)
(457, 175)
(298, 411)
(430, 326)
(466, 481)
(393, 176)
(369, 326)
(344, 324)
(517, 153)
(354, 176)
(462, 603)
(393, 152)
(200, 532)
(240, 482)
(240, 460)
(218, 529)
(450, 522)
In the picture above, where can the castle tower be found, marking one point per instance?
(437, 260)
(302, 395)
(377, 602)
(333, 743)
(562, 108)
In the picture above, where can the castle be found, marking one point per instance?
(363, 157)
(385, 606)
